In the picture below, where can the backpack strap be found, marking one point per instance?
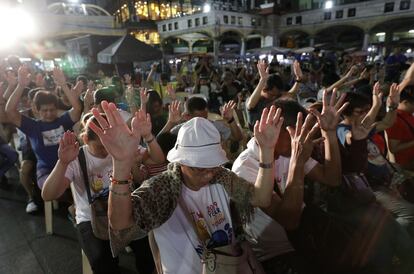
(84, 171)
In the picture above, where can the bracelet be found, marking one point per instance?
(128, 193)
(150, 140)
(263, 165)
(231, 120)
(121, 182)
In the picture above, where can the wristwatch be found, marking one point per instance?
(390, 108)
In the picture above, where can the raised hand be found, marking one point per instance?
(331, 111)
(394, 95)
(127, 78)
(171, 91)
(227, 110)
(142, 122)
(263, 69)
(302, 138)
(360, 129)
(90, 86)
(297, 70)
(377, 95)
(78, 88)
(68, 148)
(88, 99)
(174, 113)
(59, 76)
(267, 130)
(143, 96)
(23, 76)
(351, 72)
(129, 93)
(120, 142)
(409, 75)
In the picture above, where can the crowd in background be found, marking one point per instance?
(317, 156)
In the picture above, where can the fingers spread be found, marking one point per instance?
(98, 131)
(102, 121)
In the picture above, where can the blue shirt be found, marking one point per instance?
(44, 138)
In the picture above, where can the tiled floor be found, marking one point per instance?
(26, 249)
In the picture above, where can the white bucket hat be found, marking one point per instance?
(198, 145)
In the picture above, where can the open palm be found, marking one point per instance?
(118, 139)
(68, 148)
(302, 138)
(267, 130)
(331, 111)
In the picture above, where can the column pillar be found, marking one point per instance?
(252, 4)
(243, 47)
(190, 46)
(366, 41)
(388, 42)
(311, 42)
(216, 49)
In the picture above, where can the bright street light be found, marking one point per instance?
(206, 8)
(329, 5)
(15, 24)
(380, 34)
(411, 31)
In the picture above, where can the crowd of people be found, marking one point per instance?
(244, 168)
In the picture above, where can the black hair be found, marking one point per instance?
(355, 100)
(365, 90)
(25, 92)
(290, 110)
(329, 79)
(104, 94)
(195, 104)
(44, 97)
(87, 131)
(33, 92)
(83, 79)
(274, 81)
(166, 141)
(164, 76)
(407, 94)
(153, 97)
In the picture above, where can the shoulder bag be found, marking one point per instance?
(99, 205)
(220, 260)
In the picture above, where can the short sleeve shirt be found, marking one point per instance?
(44, 138)
(401, 131)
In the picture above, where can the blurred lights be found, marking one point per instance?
(411, 31)
(13, 27)
(380, 34)
(328, 5)
(206, 8)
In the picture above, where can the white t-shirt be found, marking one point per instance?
(99, 170)
(179, 245)
(268, 237)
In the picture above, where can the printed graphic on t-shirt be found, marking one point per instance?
(53, 136)
(99, 189)
(215, 220)
(97, 183)
(374, 155)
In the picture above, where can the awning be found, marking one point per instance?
(127, 50)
